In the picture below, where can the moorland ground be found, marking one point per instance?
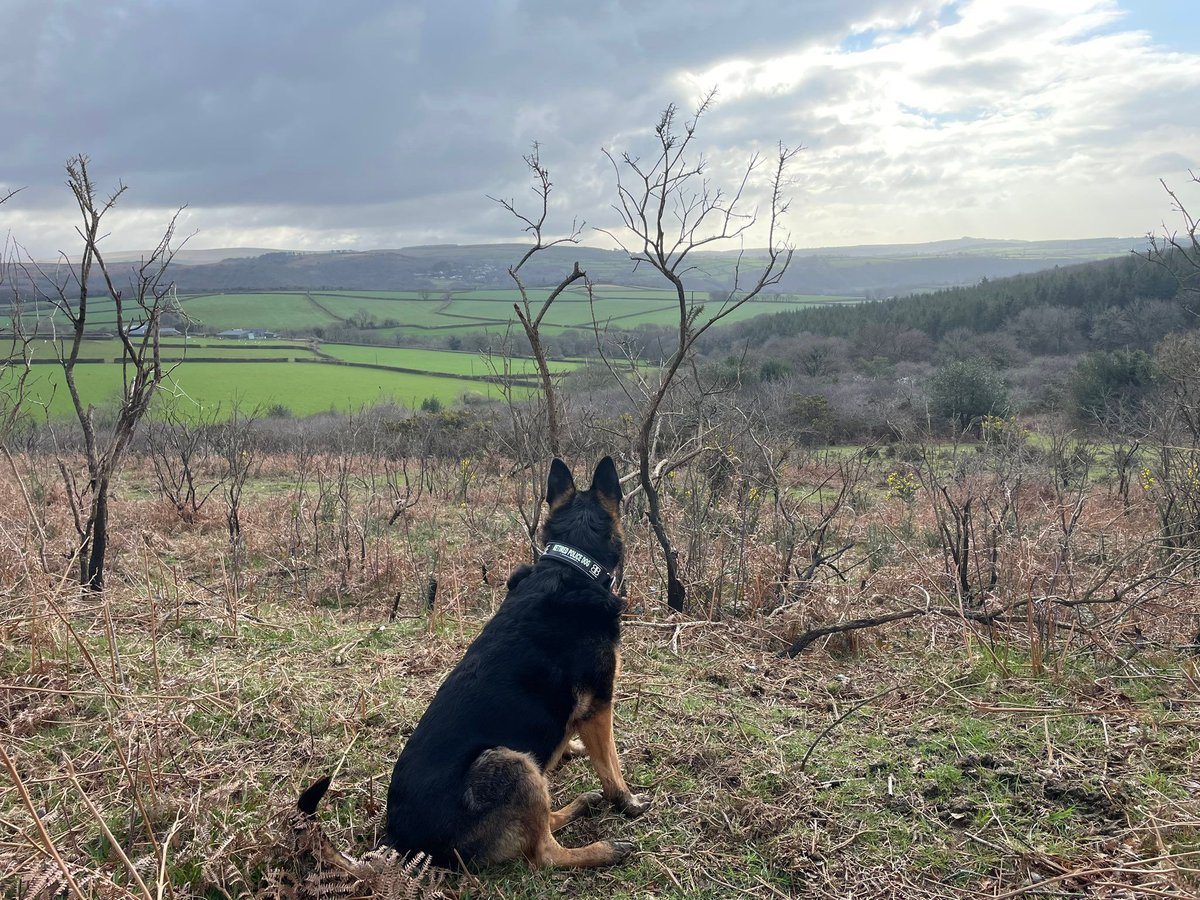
(1036, 737)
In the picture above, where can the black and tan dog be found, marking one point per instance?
(470, 785)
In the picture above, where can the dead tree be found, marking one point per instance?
(1179, 251)
(531, 321)
(527, 447)
(139, 309)
(179, 448)
(667, 209)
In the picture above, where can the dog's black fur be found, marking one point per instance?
(470, 786)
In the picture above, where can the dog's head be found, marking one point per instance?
(588, 520)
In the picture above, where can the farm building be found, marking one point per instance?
(244, 334)
(163, 331)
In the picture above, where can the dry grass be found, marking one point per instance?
(158, 735)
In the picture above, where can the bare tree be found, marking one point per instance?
(238, 442)
(139, 310)
(1179, 251)
(179, 447)
(531, 321)
(668, 209)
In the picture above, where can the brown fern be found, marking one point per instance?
(314, 869)
(43, 881)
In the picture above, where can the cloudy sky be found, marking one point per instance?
(306, 124)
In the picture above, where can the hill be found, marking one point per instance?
(861, 270)
(1086, 288)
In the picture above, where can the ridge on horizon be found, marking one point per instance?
(219, 254)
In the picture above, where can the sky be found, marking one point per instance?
(310, 125)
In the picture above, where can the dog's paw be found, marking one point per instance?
(633, 805)
(574, 750)
(592, 801)
(620, 851)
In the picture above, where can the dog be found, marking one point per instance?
(470, 787)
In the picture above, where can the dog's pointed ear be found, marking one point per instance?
(606, 482)
(560, 486)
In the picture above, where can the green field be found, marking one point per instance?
(303, 389)
(442, 361)
(111, 349)
(275, 312)
(312, 380)
(466, 311)
(429, 312)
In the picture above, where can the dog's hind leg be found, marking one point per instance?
(511, 799)
(550, 852)
(596, 732)
(583, 805)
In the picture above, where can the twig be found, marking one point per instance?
(832, 725)
(1085, 873)
(162, 859)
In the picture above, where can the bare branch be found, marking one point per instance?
(667, 208)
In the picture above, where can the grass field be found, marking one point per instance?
(445, 361)
(302, 389)
(465, 312)
(274, 312)
(112, 349)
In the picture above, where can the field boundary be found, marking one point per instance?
(486, 379)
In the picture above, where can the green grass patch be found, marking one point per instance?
(447, 361)
(273, 312)
(303, 389)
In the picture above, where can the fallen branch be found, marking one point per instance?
(806, 640)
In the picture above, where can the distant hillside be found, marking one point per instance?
(864, 270)
(1089, 291)
(185, 256)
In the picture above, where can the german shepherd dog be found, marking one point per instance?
(470, 785)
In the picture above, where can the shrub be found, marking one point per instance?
(965, 390)
(1108, 383)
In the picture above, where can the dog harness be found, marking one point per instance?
(580, 560)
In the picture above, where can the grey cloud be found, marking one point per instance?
(385, 119)
(1170, 164)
